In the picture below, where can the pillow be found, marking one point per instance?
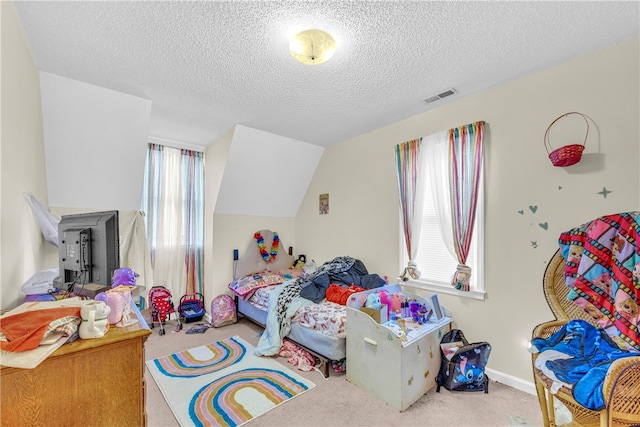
(244, 286)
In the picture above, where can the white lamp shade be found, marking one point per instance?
(312, 47)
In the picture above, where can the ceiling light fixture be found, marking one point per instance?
(312, 47)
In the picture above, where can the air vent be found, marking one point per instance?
(439, 96)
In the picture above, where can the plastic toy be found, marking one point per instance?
(94, 320)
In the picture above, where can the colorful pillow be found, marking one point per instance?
(244, 286)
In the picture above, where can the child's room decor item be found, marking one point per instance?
(191, 307)
(462, 364)
(94, 320)
(118, 298)
(223, 311)
(161, 306)
(566, 155)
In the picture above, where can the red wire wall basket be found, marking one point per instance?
(569, 154)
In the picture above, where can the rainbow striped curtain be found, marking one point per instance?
(173, 202)
(411, 200)
(465, 164)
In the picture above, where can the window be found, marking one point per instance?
(436, 262)
(173, 202)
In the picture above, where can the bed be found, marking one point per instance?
(268, 292)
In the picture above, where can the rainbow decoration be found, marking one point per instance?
(273, 253)
(224, 383)
(202, 360)
(218, 404)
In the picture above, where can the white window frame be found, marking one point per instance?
(477, 290)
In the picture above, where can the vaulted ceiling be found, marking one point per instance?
(208, 65)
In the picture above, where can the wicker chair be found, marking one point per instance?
(622, 383)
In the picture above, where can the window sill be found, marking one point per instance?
(445, 289)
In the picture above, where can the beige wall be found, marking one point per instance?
(364, 222)
(235, 232)
(22, 251)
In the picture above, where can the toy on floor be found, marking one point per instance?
(223, 311)
(191, 307)
(161, 307)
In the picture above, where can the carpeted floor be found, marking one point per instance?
(336, 402)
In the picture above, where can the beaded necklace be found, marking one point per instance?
(271, 255)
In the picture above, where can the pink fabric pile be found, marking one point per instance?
(297, 356)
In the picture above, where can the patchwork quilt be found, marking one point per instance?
(603, 270)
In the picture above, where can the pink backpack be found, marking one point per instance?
(223, 311)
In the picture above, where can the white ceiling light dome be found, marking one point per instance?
(312, 47)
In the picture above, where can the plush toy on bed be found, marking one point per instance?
(299, 263)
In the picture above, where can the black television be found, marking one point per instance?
(88, 248)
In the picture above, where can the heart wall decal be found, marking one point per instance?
(544, 225)
(533, 208)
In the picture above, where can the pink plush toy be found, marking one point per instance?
(384, 299)
(396, 301)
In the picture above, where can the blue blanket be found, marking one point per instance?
(592, 351)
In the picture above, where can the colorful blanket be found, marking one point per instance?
(603, 269)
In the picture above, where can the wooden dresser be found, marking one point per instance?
(97, 382)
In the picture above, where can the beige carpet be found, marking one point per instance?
(336, 402)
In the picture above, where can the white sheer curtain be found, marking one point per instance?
(172, 192)
(436, 152)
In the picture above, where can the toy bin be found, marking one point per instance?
(396, 369)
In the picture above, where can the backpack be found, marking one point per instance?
(462, 365)
(223, 311)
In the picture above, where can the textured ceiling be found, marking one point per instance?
(209, 65)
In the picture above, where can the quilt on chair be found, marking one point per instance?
(603, 269)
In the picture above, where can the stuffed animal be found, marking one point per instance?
(384, 299)
(119, 297)
(396, 300)
(123, 276)
(373, 301)
(94, 320)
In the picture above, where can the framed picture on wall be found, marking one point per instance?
(324, 204)
(437, 309)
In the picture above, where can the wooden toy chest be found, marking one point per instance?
(379, 362)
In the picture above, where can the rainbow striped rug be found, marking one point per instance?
(223, 384)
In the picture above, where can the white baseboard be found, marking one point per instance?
(511, 381)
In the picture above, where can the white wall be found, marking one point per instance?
(266, 174)
(95, 143)
(359, 175)
(22, 248)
